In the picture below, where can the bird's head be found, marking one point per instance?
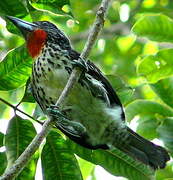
(37, 34)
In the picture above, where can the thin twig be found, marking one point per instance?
(20, 163)
(17, 109)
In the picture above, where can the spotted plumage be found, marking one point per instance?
(93, 115)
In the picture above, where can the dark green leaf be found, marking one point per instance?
(124, 92)
(116, 162)
(157, 67)
(144, 107)
(3, 162)
(164, 89)
(1, 139)
(13, 8)
(165, 131)
(58, 161)
(15, 69)
(155, 27)
(19, 134)
(55, 6)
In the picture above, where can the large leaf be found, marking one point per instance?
(165, 131)
(164, 89)
(55, 6)
(116, 162)
(58, 161)
(144, 107)
(147, 123)
(1, 139)
(155, 27)
(3, 162)
(166, 173)
(15, 69)
(19, 134)
(15, 7)
(157, 67)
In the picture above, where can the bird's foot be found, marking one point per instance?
(72, 128)
(80, 63)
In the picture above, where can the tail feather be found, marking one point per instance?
(146, 151)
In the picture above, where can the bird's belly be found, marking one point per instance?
(80, 105)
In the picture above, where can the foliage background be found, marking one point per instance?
(139, 68)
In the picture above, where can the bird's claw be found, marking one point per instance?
(54, 111)
(71, 127)
(80, 63)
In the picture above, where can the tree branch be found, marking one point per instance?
(93, 34)
(21, 162)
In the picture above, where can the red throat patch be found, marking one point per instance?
(35, 42)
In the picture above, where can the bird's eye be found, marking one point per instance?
(44, 23)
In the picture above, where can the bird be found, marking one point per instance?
(93, 115)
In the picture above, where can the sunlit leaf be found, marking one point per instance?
(164, 89)
(55, 6)
(15, 69)
(157, 67)
(86, 168)
(116, 162)
(155, 27)
(165, 131)
(144, 107)
(146, 124)
(165, 173)
(20, 133)
(58, 161)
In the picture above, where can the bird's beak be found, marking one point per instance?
(24, 26)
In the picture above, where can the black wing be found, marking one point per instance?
(95, 72)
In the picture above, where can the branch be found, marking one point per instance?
(17, 109)
(21, 162)
(93, 34)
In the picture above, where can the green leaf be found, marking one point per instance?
(165, 131)
(1, 139)
(164, 89)
(156, 67)
(86, 168)
(58, 161)
(123, 91)
(144, 107)
(3, 162)
(147, 123)
(166, 173)
(13, 8)
(15, 69)
(116, 162)
(55, 6)
(19, 134)
(156, 27)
